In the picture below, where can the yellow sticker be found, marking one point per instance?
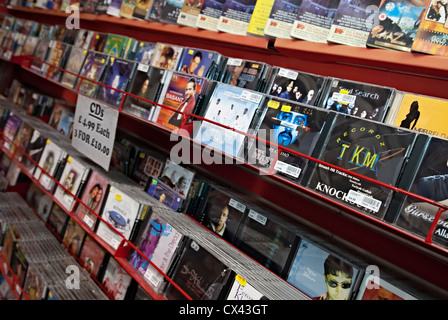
(111, 59)
(273, 104)
(48, 141)
(85, 51)
(69, 159)
(102, 61)
(241, 280)
(142, 155)
(118, 197)
(255, 66)
(190, 51)
(141, 44)
(286, 108)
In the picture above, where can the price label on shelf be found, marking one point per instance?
(94, 130)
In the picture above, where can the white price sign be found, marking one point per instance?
(94, 130)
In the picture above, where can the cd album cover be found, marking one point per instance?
(147, 165)
(189, 13)
(73, 237)
(245, 74)
(73, 175)
(281, 18)
(177, 177)
(432, 32)
(39, 200)
(73, 66)
(10, 130)
(120, 211)
(116, 280)
(202, 63)
(368, 148)
(34, 151)
(165, 194)
(241, 290)
(223, 215)
(92, 255)
(83, 39)
(314, 20)
(117, 46)
(166, 56)
(48, 164)
(421, 113)
(358, 99)
(158, 243)
(321, 274)
(58, 220)
(429, 181)
(398, 24)
(141, 9)
(352, 22)
(296, 86)
(22, 138)
(180, 93)
(62, 119)
(92, 198)
(288, 125)
(235, 16)
(209, 15)
(92, 69)
(233, 107)
(382, 291)
(40, 53)
(98, 41)
(170, 11)
(146, 84)
(116, 76)
(56, 58)
(267, 239)
(199, 273)
(144, 52)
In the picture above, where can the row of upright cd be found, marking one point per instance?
(176, 244)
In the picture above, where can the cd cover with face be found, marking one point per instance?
(245, 74)
(165, 194)
(177, 177)
(296, 86)
(288, 125)
(73, 66)
(180, 93)
(92, 197)
(428, 180)
(83, 39)
(120, 211)
(62, 119)
(321, 274)
(358, 99)
(34, 151)
(202, 63)
(73, 237)
(159, 243)
(146, 84)
(166, 56)
(22, 138)
(233, 107)
(199, 273)
(48, 164)
(223, 214)
(92, 255)
(73, 175)
(117, 76)
(92, 69)
(368, 148)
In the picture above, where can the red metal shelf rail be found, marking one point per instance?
(422, 247)
(117, 254)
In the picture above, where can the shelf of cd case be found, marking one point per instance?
(159, 30)
(425, 242)
(11, 279)
(24, 62)
(121, 253)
